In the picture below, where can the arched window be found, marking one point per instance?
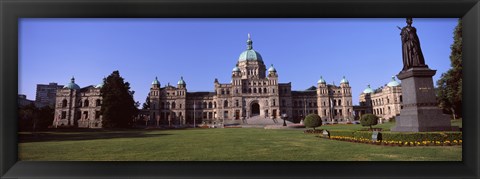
(214, 104)
(249, 90)
(205, 105)
(210, 105)
(167, 106)
(259, 90)
(254, 90)
(98, 102)
(236, 103)
(85, 103)
(64, 103)
(264, 90)
(173, 105)
(339, 102)
(225, 103)
(273, 102)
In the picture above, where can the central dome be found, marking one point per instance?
(72, 85)
(250, 54)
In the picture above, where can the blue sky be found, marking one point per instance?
(366, 51)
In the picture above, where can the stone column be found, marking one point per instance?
(420, 111)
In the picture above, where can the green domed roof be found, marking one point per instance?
(368, 90)
(181, 82)
(236, 69)
(72, 85)
(100, 85)
(321, 80)
(344, 80)
(155, 82)
(272, 69)
(393, 82)
(250, 54)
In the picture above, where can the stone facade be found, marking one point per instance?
(78, 107)
(385, 102)
(254, 92)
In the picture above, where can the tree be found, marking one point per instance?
(449, 93)
(44, 117)
(33, 118)
(146, 104)
(26, 115)
(369, 120)
(313, 120)
(118, 107)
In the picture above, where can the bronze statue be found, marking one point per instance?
(411, 51)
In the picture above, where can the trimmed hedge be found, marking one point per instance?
(341, 133)
(422, 136)
(402, 136)
(363, 134)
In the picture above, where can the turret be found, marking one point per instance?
(272, 71)
(181, 83)
(155, 83)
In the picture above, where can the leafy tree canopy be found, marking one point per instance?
(369, 120)
(118, 107)
(449, 86)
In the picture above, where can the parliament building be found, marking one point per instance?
(253, 93)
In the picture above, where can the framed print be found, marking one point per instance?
(239, 89)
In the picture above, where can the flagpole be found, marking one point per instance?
(194, 104)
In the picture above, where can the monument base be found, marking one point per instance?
(423, 119)
(420, 112)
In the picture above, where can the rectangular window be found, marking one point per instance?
(97, 114)
(64, 114)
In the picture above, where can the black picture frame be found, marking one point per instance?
(10, 11)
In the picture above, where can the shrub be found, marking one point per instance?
(369, 120)
(313, 120)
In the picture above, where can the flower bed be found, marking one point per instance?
(400, 139)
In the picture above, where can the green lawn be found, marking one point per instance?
(230, 144)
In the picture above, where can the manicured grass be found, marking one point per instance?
(234, 144)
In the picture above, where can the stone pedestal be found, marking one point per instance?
(420, 111)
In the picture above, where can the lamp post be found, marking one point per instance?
(284, 116)
(194, 105)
